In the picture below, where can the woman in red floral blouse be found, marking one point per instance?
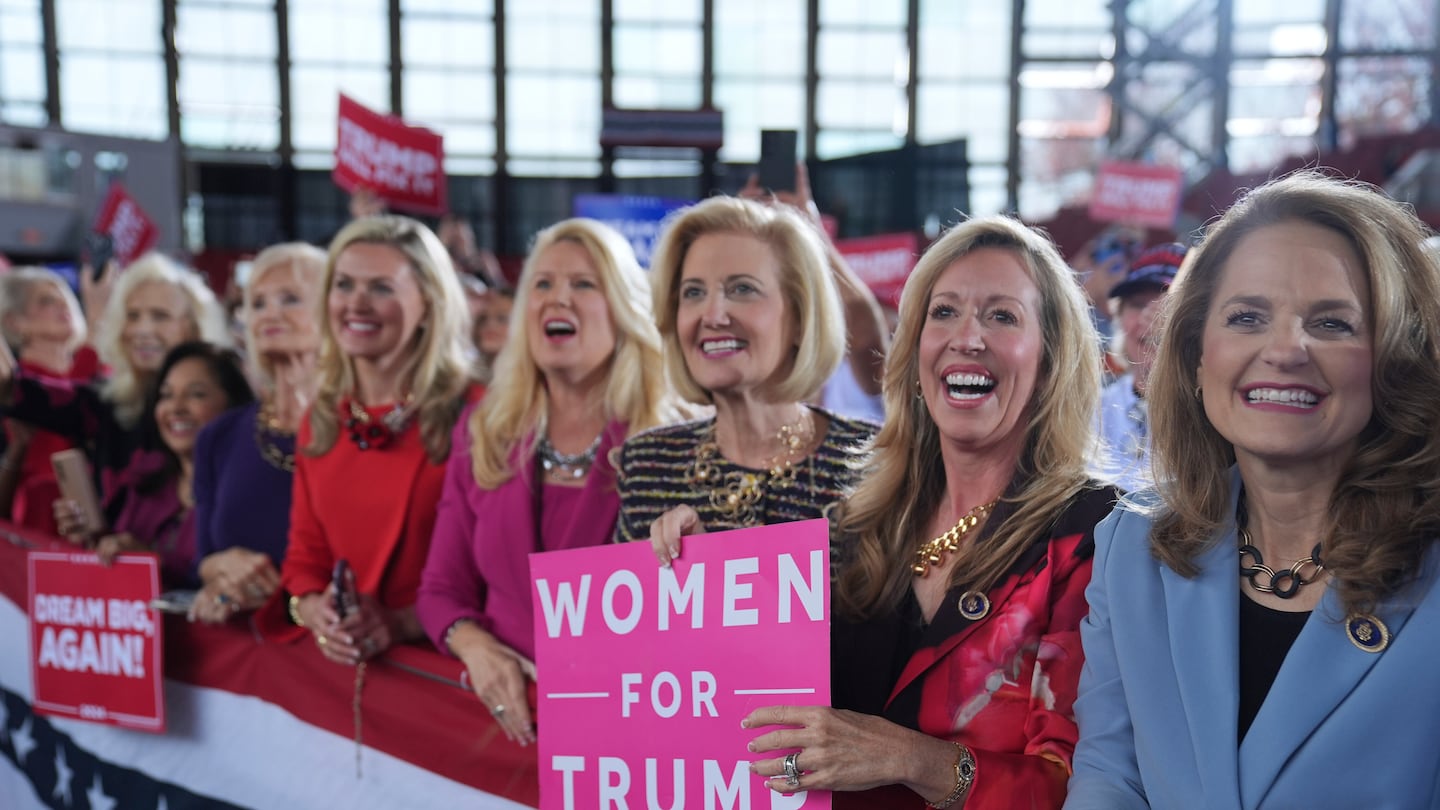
(965, 553)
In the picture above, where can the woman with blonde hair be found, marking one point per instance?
(393, 374)
(965, 551)
(155, 306)
(244, 459)
(753, 326)
(1263, 625)
(41, 321)
(532, 467)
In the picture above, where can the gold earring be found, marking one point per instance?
(919, 394)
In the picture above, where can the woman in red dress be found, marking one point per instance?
(394, 375)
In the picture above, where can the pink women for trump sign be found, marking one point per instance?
(645, 672)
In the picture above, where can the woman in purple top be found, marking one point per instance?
(530, 469)
(150, 507)
(244, 460)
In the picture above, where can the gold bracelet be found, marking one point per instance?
(964, 777)
(295, 612)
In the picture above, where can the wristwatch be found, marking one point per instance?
(964, 777)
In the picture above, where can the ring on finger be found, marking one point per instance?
(321, 640)
(792, 764)
(497, 710)
(792, 769)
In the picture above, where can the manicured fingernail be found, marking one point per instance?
(750, 747)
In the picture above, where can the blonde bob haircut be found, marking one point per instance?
(637, 391)
(891, 508)
(17, 288)
(811, 295)
(1385, 510)
(438, 372)
(307, 263)
(126, 388)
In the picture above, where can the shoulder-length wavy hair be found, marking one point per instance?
(889, 512)
(17, 287)
(302, 259)
(126, 387)
(438, 374)
(637, 391)
(806, 279)
(1385, 510)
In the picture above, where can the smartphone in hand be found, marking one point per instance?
(179, 602)
(72, 475)
(777, 159)
(347, 601)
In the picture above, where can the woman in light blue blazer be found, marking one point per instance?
(1264, 629)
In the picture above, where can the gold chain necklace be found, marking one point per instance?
(266, 426)
(934, 551)
(735, 494)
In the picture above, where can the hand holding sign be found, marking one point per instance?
(666, 531)
(848, 751)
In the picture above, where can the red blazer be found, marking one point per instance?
(1003, 685)
(374, 508)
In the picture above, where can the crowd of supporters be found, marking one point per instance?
(1189, 564)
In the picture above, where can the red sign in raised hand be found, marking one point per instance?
(131, 230)
(1137, 194)
(402, 164)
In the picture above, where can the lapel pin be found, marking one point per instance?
(974, 605)
(1367, 632)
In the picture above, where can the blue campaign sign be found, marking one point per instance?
(638, 219)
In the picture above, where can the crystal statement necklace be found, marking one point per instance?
(575, 465)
